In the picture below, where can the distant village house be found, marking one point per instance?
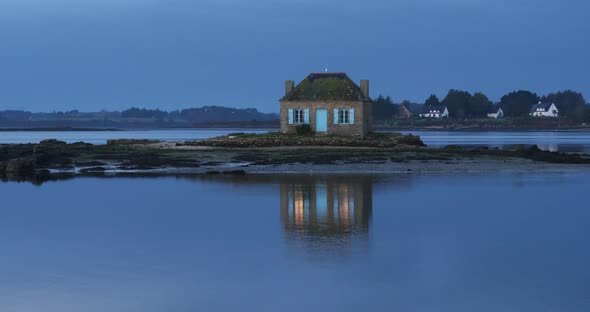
(434, 111)
(544, 110)
(331, 103)
(496, 112)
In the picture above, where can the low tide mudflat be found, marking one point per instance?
(271, 153)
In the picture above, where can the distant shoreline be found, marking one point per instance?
(67, 129)
(378, 129)
(58, 129)
(585, 129)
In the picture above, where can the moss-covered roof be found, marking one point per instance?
(326, 87)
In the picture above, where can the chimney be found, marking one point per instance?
(365, 87)
(289, 85)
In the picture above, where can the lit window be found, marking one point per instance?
(343, 116)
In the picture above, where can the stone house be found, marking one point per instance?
(331, 103)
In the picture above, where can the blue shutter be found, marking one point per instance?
(335, 116)
(306, 116)
(351, 116)
(290, 116)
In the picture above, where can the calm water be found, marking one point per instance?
(502, 242)
(101, 137)
(546, 140)
(553, 141)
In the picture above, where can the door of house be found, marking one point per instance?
(321, 120)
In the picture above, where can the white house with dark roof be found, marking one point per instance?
(544, 110)
(434, 111)
(496, 112)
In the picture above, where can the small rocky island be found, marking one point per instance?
(239, 154)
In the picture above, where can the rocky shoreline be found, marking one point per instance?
(249, 154)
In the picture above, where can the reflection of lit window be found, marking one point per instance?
(343, 204)
(299, 207)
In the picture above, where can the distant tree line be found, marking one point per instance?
(462, 104)
(135, 116)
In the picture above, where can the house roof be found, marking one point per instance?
(494, 109)
(544, 106)
(438, 108)
(404, 108)
(326, 87)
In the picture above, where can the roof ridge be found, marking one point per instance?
(326, 86)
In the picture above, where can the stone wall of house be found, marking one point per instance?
(368, 117)
(362, 116)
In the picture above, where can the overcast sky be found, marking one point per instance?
(114, 54)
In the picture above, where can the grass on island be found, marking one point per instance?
(307, 138)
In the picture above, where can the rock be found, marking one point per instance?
(130, 142)
(52, 142)
(20, 167)
(94, 169)
(235, 172)
(93, 163)
(519, 147)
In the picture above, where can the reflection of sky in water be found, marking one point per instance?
(563, 141)
(552, 141)
(101, 137)
(501, 242)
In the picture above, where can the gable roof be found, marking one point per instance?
(543, 106)
(405, 109)
(494, 109)
(326, 87)
(437, 108)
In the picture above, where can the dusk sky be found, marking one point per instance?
(170, 54)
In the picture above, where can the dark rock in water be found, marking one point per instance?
(52, 142)
(90, 164)
(519, 147)
(235, 172)
(452, 147)
(229, 172)
(212, 163)
(534, 149)
(536, 154)
(411, 140)
(94, 169)
(81, 143)
(19, 167)
(130, 142)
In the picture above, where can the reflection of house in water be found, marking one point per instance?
(330, 212)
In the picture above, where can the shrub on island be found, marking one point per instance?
(304, 130)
